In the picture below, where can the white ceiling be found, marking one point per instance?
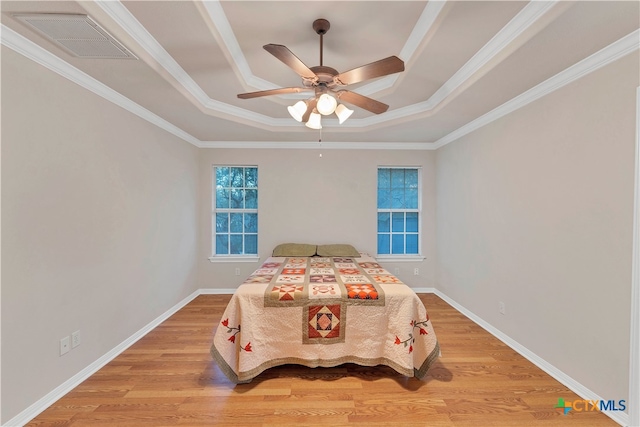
(466, 62)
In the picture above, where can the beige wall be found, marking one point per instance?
(99, 227)
(106, 223)
(535, 210)
(306, 198)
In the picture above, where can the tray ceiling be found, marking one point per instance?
(465, 61)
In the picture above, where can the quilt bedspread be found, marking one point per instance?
(323, 312)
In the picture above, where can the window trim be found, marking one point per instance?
(401, 257)
(230, 257)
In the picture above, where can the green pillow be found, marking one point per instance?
(337, 250)
(294, 249)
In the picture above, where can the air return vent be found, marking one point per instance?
(77, 34)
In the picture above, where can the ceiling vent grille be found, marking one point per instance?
(77, 34)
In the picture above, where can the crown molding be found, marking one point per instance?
(223, 32)
(333, 145)
(229, 44)
(605, 56)
(123, 17)
(41, 56)
(417, 37)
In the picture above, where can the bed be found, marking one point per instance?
(323, 311)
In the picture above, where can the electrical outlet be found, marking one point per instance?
(237, 271)
(501, 307)
(75, 339)
(64, 345)
(396, 271)
(416, 271)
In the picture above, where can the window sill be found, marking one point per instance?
(399, 258)
(249, 258)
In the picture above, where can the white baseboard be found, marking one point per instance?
(424, 290)
(579, 389)
(34, 410)
(42, 404)
(210, 291)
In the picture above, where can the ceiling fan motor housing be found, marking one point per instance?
(325, 75)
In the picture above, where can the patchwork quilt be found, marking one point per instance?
(323, 312)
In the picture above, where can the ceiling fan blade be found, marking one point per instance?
(310, 106)
(380, 68)
(273, 92)
(285, 55)
(362, 101)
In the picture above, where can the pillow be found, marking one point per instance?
(337, 250)
(294, 249)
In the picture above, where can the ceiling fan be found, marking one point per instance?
(326, 82)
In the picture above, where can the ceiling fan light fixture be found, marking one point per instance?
(326, 104)
(343, 113)
(314, 121)
(322, 81)
(297, 110)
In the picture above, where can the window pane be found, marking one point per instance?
(222, 222)
(384, 178)
(237, 177)
(222, 177)
(251, 199)
(384, 199)
(411, 199)
(397, 222)
(236, 223)
(412, 243)
(237, 199)
(236, 244)
(251, 177)
(250, 223)
(251, 244)
(397, 178)
(397, 243)
(383, 243)
(222, 198)
(412, 222)
(383, 221)
(397, 198)
(411, 178)
(222, 244)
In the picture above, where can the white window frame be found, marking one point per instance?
(229, 257)
(401, 257)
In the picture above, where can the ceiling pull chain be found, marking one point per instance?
(320, 142)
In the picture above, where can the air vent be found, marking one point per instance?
(77, 34)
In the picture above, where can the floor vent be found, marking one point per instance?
(77, 34)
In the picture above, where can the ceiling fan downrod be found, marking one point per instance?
(321, 26)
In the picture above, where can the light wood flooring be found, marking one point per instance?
(168, 378)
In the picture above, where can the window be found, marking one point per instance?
(235, 211)
(398, 211)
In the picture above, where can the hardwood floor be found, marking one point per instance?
(168, 378)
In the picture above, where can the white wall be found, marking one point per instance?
(99, 227)
(306, 198)
(535, 209)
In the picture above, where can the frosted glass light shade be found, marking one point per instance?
(314, 121)
(297, 110)
(326, 104)
(343, 113)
